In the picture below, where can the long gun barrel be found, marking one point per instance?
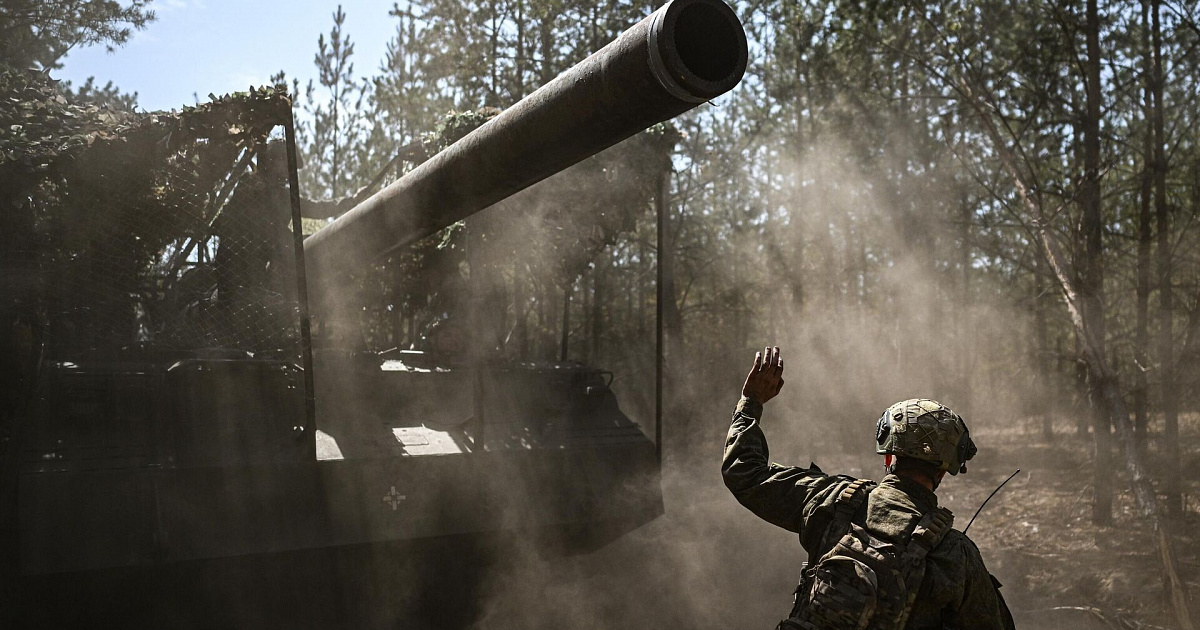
(684, 54)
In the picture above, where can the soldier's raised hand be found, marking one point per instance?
(766, 376)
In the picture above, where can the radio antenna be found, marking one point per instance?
(989, 498)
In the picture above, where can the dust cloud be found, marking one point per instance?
(866, 333)
(865, 314)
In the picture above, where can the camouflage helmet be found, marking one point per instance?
(926, 430)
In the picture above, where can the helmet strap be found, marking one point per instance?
(937, 480)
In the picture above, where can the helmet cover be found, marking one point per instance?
(926, 430)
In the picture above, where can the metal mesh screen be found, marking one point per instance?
(169, 244)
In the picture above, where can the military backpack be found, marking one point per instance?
(860, 582)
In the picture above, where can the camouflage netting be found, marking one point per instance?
(162, 230)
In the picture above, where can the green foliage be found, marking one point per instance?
(38, 33)
(97, 205)
(847, 179)
(42, 129)
(454, 126)
(107, 95)
(334, 126)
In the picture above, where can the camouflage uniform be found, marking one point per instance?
(957, 591)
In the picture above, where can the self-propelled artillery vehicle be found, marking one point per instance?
(206, 433)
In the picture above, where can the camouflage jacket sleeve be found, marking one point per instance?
(797, 499)
(981, 605)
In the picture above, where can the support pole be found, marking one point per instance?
(660, 210)
(309, 430)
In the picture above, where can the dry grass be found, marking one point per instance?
(1038, 534)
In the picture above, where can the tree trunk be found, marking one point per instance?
(1091, 285)
(595, 35)
(1097, 365)
(566, 322)
(864, 288)
(546, 40)
(1166, 341)
(1082, 410)
(829, 259)
(399, 318)
(849, 272)
(548, 312)
(739, 328)
(966, 358)
(1114, 403)
(672, 319)
(1041, 348)
(520, 312)
(630, 327)
(643, 271)
(1145, 244)
(519, 87)
(598, 278)
(493, 95)
(585, 313)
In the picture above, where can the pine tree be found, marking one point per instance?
(334, 121)
(39, 33)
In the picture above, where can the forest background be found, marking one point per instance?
(993, 204)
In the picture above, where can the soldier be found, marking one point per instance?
(254, 267)
(881, 555)
(255, 258)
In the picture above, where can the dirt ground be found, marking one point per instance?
(710, 564)
(1042, 544)
(706, 564)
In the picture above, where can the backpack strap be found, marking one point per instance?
(845, 506)
(926, 536)
(929, 532)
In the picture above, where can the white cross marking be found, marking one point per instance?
(393, 498)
